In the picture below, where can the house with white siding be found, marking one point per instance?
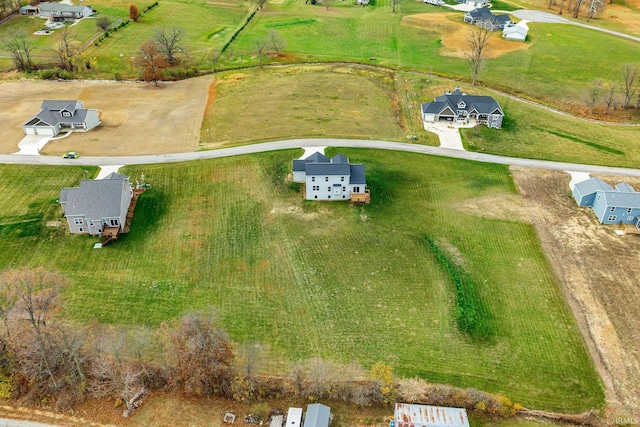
(57, 116)
(97, 204)
(483, 17)
(611, 205)
(331, 178)
(516, 32)
(59, 12)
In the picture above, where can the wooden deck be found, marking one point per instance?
(629, 228)
(110, 234)
(361, 198)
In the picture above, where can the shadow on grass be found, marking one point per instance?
(150, 210)
(384, 185)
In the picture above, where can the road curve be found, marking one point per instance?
(298, 143)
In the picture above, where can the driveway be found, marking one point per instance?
(448, 134)
(31, 145)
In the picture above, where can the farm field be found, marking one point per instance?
(137, 118)
(326, 280)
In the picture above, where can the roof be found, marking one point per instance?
(484, 14)
(95, 199)
(357, 174)
(408, 415)
(50, 113)
(591, 185)
(61, 7)
(622, 199)
(318, 415)
(482, 104)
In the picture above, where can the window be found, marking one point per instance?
(629, 218)
(611, 218)
(80, 230)
(356, 189)
(342, 178)
(344, 188)
(329, 189)
(629, 210)
(329, 196)
(612, 209)
(343, 196)
(326, 179)
(316, 187)
(313, 179)
(113, 222)
(66, 114)
(77, 221)
(315, 197)
(90, 222)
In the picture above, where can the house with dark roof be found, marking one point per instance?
(57, 116)
(97, 204)
(457, 106)
(318, 415)
(611, 205)
(59, 12)
(331, 178)
(483, 17)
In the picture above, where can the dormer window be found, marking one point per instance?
(66, 114)
(461, 104)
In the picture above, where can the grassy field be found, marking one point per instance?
(329, 280)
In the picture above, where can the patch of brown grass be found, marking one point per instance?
(453, 34)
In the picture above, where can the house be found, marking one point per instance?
(64, 12)
(458, 106)
(482, 17)
(318, 415)
(331, 178)
(407, 415)
(294, 417)
(611, 205)
(475, 3)
(516, 32)
(29, 10)
(56, 116)
(97, 204)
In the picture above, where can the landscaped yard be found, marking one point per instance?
(321, 279)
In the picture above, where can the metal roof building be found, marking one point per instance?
(318, 415)
(410, 415)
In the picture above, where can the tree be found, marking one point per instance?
(383, 375)
(21, 48)
(610, 96)
(478, 40)
(259, 48)
(394, 5)
(593, 93)
(67, 49)
(276, 42)
(169, 42)
(630, 81)
(200, 354)
(151, 62)
(134, 13)
(576, 8)
(103, 23)
(595, 7)
(326, 3)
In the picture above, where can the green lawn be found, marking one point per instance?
(321, 279)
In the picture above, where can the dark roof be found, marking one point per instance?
(357, 174)
(95, 199)
(591, 185)
(50, 115)
(317, 157)
(327, 169)
(482, 104)
(484, 14)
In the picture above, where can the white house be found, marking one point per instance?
(294, 417)
(97, 204)
(64, 12)
(516, 31)
(331, 178)
(56, 116)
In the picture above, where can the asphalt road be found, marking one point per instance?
(297, 143)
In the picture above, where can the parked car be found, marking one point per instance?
(434, 2)
(70, 155)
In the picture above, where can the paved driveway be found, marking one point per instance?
(31, 145)
(448, 134)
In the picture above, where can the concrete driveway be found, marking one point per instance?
(448, 133)
(31, 145)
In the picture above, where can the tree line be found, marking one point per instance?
(615, 93)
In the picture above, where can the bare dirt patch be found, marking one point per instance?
(500, 207)
(453, 34)
(598, 270)
(137, 117)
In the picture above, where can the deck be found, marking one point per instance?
(110, 234)
(629, 228)
(361, 198)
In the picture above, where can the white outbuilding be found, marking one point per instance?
(516, 31)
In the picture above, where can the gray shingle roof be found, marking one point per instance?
(622, 199)
(327, 169)
(484, 14)
(482, 104)
(95, 199)
(60, 7)
(50, 115)
(357, 174)
(319, 164)
(591, 185)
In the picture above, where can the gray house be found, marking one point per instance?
(63, 12)
(611, 205)
(97, 204)
(483, 17)
(458, 106)
(57, 116)
(318, 415)
(331, 178)
(410, 415)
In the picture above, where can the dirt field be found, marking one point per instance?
(137, 118)
(454, 34)
(599, 271)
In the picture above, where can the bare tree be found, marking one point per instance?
(610, 95)
(478, 40)
(259, 48)
(201, 354)
(394, 5)
(276, 42)
(576, 8)
(66, 51)
(630, 81)
(327, 4)
(21, 48)
(103, 23)
(595, 7)
(593, 93)
(561, 6)
(169, 42)
(151, 62)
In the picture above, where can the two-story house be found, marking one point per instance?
(57, 116)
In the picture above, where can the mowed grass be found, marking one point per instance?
(535, 133)
(305, 102)
(327, 279)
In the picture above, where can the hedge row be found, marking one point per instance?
(233, 37)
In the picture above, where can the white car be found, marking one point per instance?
(434, 2)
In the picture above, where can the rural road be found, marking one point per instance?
(301, 143)
(553, 18)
